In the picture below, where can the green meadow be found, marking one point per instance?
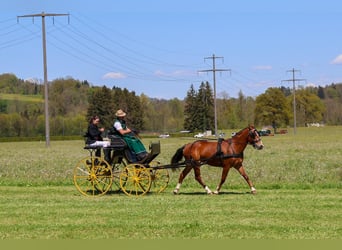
(21, 98)
(298, 180)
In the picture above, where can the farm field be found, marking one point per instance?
(298, 179)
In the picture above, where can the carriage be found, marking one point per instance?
(94, 176)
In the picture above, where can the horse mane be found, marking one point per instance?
(238, 133)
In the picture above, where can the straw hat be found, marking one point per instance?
(120, 113)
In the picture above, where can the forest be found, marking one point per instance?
(73, 102)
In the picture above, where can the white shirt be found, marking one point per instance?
(117, 125)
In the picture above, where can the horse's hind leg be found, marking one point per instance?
(182, 175)
(225, 172)
(200, 181)
(242, 172)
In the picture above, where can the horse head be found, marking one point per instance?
(254, 138)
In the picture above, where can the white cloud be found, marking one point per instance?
(33, 80)
(114, 75)
(337, 60)
(262, 67)
(311, 84)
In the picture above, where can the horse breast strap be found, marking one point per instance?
(219, 148)
(220, 154)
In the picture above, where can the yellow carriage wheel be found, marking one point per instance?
(160, 177)
(119, 164)
(135, 179)
(93, 176)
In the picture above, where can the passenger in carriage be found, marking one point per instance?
(94, 137)
(135, 145)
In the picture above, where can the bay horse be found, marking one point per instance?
(223, 153)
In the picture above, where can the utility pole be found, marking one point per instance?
(214, 70)
(294, 80)
(46, 99)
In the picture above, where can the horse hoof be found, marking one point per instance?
(175, 192)
(208, 191)
(253, 192)
(216, 192)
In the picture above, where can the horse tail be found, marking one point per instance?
(177, 156)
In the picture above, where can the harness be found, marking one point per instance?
(218, 154)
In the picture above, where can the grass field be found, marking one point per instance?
(22, 98)
(298, 178)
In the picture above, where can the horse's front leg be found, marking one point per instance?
(242, 172)
(225, 172)
(182, 175)
(200, 181)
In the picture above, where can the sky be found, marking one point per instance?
(161, 48)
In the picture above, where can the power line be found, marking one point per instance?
(214, 70)
(46, 98)
(138, 71)
(109, 57)
(294, 80)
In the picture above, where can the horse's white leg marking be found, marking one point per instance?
(253, 190)
(208, 190)
(177, 188)
(217, 190)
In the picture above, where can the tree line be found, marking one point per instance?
(73, 102)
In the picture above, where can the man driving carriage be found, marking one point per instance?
(129, 136)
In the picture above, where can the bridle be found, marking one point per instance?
(254, 135)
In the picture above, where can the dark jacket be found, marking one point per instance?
(93, 134)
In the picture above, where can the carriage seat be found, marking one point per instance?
(116, 142)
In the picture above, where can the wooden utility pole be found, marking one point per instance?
(46, 94)
(214, 70)
(293, 80)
